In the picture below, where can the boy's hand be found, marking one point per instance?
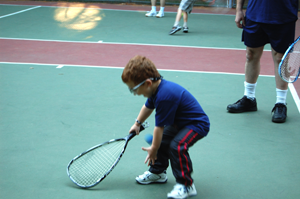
(151, 157)
(135, 128)
(152, 150)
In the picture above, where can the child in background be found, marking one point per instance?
(185, 8)
(179, 123)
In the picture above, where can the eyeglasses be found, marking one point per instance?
(134, 89)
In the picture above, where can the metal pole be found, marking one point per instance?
(229, 3)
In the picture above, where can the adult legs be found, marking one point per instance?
(252, 70)
(252, 65)
(280, 84)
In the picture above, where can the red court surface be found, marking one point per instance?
(95, 54)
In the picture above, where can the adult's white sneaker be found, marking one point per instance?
(160, 14)
(151, 14)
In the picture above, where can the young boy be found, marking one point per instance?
(179, 123)
(185, 7)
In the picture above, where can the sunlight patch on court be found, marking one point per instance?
(78, 18)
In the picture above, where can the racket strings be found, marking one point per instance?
(291, 64)
(94, 165)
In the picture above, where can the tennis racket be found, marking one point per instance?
(92, 166)
(289, 67)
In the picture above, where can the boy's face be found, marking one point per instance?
(142, 89)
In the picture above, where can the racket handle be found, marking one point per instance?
(142, 127)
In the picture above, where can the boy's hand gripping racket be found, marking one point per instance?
(92, 166)
(289, 67)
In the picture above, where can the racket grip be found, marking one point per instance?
(142, 127)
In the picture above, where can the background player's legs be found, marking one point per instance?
(162, 4)
(153, 3)
(178, 17)
(185, 19)
(162, 9)
(176, 26)
(279, 112)
(152, 12)
(280, 84)
(252, 66)
(252, 70)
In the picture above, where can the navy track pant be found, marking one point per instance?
(174, 147)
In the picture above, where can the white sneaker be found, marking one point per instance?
(148, 178)
(160, 14)
(150, 14)
(181, 192)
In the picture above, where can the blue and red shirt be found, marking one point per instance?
(176, 106)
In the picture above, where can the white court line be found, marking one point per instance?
(291, 86)
(121, 67)
(295, 95)
(19, 12)
(116, 67)
(138, 44)
(121, 9)
(62, 65)
(49, 40)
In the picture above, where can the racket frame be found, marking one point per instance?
(283, 58)
(126, 138)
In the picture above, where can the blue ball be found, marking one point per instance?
(148, 138)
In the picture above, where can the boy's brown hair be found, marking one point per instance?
(138, 69)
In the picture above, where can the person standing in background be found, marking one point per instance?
(265, 21)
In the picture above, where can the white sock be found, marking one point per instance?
(153, 8)
(176, 23)
(281, 96)
(184, 24)
(162, 9)
(249, 90)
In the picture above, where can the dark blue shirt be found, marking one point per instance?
(176, 106)
(272, 11)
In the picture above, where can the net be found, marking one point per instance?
(206, 3)
(94, 165)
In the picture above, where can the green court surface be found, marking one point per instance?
(7, 9)
(48, 115)
(93, 25)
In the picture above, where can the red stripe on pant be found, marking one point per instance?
(186, 159)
